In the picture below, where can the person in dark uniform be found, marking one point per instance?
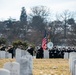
(69, 50)
(73, 50)
(39, 53)
(50, 53)
(62, 52)
(59, 53)
(55, 52)
(3, 48)
(11, 50)
(30, 50)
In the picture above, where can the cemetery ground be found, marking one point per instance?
(46, 66)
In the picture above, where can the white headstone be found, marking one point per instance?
(4, 72)
(71, 61)
(34, 57)
(8, 55)
(26, 65)
(66, 55)
(46, 54)
(70, 57)
(2, 54)
(75, 69)
(26, 53)
(13, 67)
(72, 64)
(20, 53)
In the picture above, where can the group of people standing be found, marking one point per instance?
(54, 52)
(9, 49)
(39, 52)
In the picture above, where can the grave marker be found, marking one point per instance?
(46, 54)
(26, 65)
(2, 54)
(8, 55)
(20, 53)
(13, 67)
(4, 72)
(66, 55)
(71, 61)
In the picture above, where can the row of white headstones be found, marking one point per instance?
(4, 54)
(24, 63)
(72, 61)
(22, 66)
(20, 53)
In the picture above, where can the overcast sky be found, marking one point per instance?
(12, 8)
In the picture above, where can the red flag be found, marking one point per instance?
(44, 43)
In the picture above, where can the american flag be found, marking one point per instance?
(44, 43)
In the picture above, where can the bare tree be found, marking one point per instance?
(38, 20)
(65, 16)
(39, 17)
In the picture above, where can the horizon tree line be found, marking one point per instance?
(31, 27)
